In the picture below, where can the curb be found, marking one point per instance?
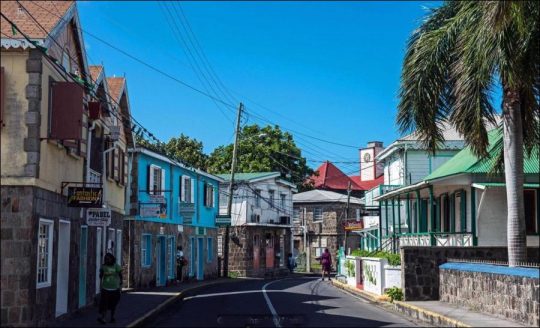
(405, 308)
(176, 297)
(423, 315)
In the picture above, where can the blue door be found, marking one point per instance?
(162, 261)
(82, 266)
(200, 258)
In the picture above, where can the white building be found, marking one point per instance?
(260, 222)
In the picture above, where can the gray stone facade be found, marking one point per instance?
(327, 233)
(146, 276)
(420, 280)
(32, 143)
(510, 297)
(242, 247)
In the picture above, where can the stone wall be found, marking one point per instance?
(241, 250)
(420, 266)
(507, 296)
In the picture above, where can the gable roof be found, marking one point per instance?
(95, 72)
(466, 162)
(45, 12)
(116, 86)
(331, 177)
(323, 196)
(250, 177)
(367, 185)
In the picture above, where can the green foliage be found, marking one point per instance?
(233, 274)
(395, 293)
(262, 150)
(183, 149)
(393, 259)
(455, 60)
(350, 266)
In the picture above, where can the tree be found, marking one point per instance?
(261, 150)
(183, 149)
(187, 150)
(461, 52)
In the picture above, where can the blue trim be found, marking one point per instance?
(147, 241)
(495, 269)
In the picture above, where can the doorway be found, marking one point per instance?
(200, 258)
(62, 271)
(83, 257)
(161, 261)
(256, 252)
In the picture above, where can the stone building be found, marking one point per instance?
(319, 222)
(54, 110)
(170, 205)
(260, 236)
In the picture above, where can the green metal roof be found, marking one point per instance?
(466, 162)
(502, 184)
(249, 176)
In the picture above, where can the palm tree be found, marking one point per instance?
(453, 63)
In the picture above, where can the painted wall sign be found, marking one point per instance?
(84, 197)
(98, 217)
(153, 210)
(157, 199)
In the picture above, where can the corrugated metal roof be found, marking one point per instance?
(249, 176)
(323, 196)
(466, 162)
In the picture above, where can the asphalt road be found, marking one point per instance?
(299, 302)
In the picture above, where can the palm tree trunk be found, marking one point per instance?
(513, 171)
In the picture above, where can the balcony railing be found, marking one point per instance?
(94, 177)
(444, 239)
(186, 210)
(223, 220)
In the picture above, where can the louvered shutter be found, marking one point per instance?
(205, 194)
(162, 182)
(149, 179)
(180, 189)
(193, 181)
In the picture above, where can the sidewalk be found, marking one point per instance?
(433, 313)
(136, 305)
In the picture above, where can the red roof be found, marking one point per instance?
(367, 185)
(330, 177)
(116, 85)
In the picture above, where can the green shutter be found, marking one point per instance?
(463, 200)
(452, 204)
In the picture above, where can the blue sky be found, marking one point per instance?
(325, 69)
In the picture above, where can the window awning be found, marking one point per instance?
(484, 185)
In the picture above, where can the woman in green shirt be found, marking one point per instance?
(111, 284)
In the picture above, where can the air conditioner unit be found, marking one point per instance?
(114, 132)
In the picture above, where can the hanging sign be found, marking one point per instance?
(353, 225)
(98, 217)
(84, 197)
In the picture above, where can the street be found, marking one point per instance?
(302, 301)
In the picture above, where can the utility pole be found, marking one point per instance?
(231, 183)
(347, 215)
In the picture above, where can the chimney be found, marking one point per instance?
(372, 144)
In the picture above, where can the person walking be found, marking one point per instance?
(180, 262)
(291, 263)
(111, 284)
(326, 263)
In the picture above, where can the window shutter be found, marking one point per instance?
(125, 168)
(67, 108)
(463, 211)
(149, 179)
(2, 98)
(162, 182)
(213, 197)
(180, 191)
(193, 190)
(205, 195)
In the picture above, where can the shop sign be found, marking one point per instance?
(160, 199)
(153, 210)
(98, 217)
(85, 197)
(353, 225)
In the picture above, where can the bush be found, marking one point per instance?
(395, 294)
(233, 274)
(393, 259)
(350, 268)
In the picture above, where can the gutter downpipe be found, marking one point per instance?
(484, 191)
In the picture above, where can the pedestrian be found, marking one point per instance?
(111, 284)
(326, 263)
(180, 262)
(291, 263)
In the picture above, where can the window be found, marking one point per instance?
(530, 198)
(257, 198)
(209, 195)
(146, 250)
(317, 214)
(187, 194)
(296, 214)
(45, 247)
(156, 180)
(209, 249)
(283, 201)
(271, 197)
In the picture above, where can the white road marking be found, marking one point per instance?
(270, 306)
(229, 293)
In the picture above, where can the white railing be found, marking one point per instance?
(415, 240)
(94, 177)
(454, 239)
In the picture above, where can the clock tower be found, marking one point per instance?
(369, 169)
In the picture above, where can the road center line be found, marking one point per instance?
(270, 306)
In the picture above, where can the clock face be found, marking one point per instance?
(367, 157)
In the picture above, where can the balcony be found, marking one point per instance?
(441, 239)
(186, 210)
(376, 192)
